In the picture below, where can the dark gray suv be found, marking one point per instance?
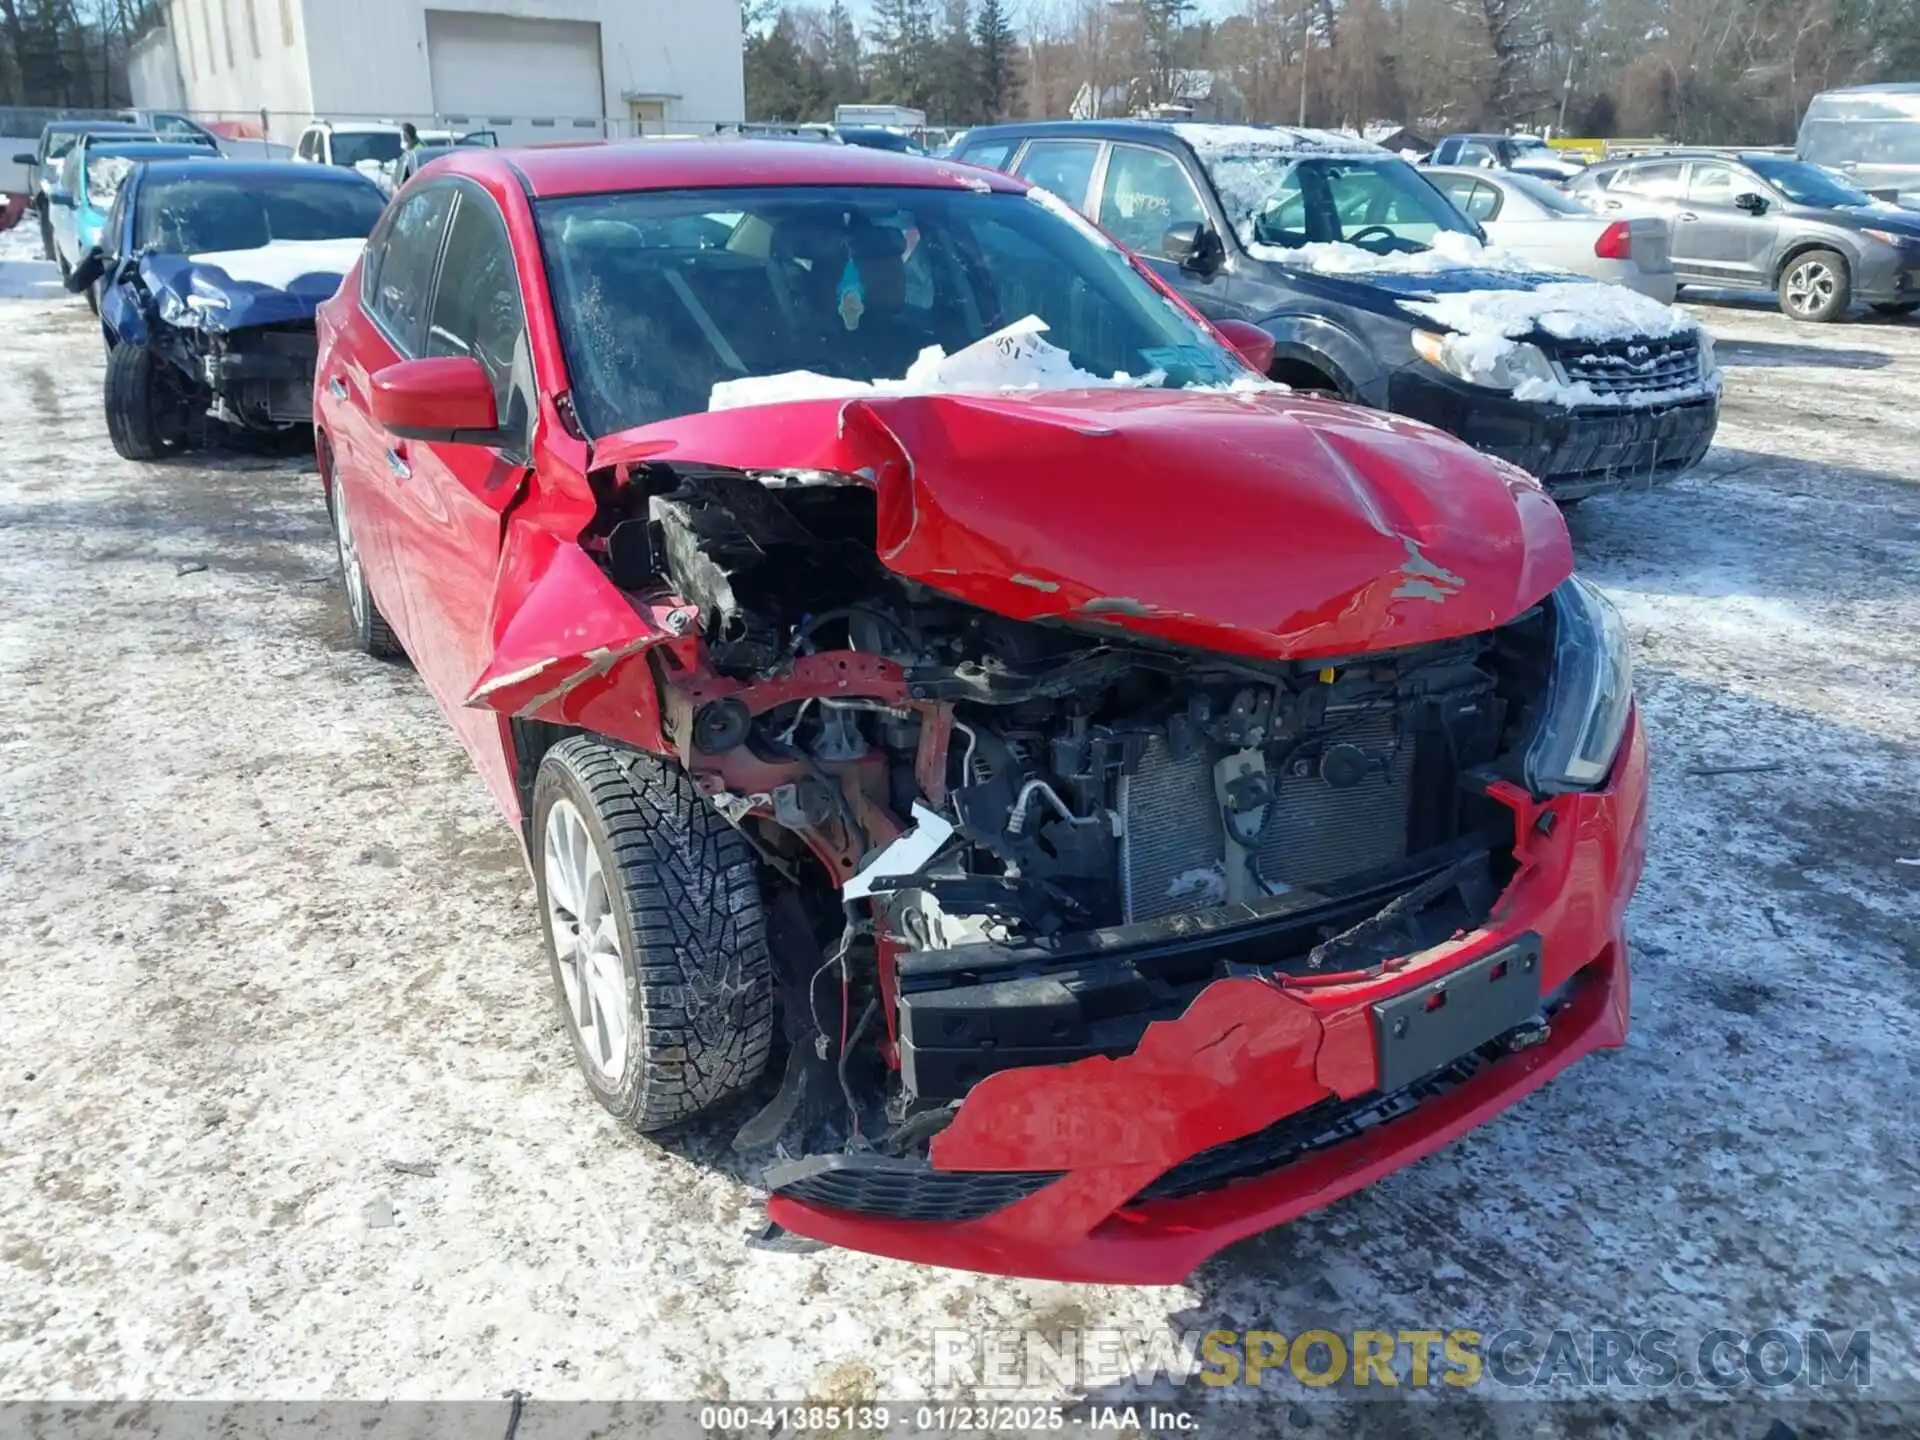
(1749, 221)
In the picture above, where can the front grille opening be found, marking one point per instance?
(1634, 367)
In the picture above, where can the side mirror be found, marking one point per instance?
(1249, 342)
(91, 267)
(1192, 246)
(57, 196)
(446, 398)
(1751, 203)
(26, 157)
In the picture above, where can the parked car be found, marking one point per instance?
(173, 126)
(1525, 154)
(90, 177)
(43, 164)
(1770, 222)
(1374, 288)
(882, 730)
(1871, 134)
(372, 147)
(208, 275)
(1531, 218)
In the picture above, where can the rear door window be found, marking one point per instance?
(1475, 199)
(1145, 192)
(1064, 167)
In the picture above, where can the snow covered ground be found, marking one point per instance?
(23, 274)
(287, 1110)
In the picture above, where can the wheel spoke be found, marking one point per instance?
(586, 940)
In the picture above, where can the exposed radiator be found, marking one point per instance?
(1173, 856)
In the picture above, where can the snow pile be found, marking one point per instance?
(1578, 394)
(281, 262)
(1567, 310)
(1016, 358)
(23, 241)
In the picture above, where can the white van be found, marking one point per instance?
(1871, 135)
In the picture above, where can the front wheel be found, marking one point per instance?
(1816, 287)
(655, 933)
(145, 417)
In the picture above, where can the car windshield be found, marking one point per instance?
(193, 216)
(1806, 184)
(351, 147)
(1377, 202)
(662, 295)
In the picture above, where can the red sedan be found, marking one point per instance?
(1074, 802)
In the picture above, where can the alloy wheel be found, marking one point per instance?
(586, 941)
(1810, 287)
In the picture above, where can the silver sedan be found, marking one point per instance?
(1551, 228)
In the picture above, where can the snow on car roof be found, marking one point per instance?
(1271, 140)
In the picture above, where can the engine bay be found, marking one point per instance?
(942, 796)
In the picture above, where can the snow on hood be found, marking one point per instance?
(1449, 251)
(281, 262)
(1010, 360)
(1566, 310)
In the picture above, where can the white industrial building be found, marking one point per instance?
(530, 70)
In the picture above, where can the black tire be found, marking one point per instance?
(144, 419)
(1816, 286)
(1897, 308)
(47, 252)
(683, 888)
(371, 633)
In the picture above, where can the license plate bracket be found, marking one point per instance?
(1422, 1030)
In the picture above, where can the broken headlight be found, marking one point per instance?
(1490, 360)
(1589, 693)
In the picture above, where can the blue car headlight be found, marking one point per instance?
(1589, 694)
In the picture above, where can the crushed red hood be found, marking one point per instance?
(1260, 524)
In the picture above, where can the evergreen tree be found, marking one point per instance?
(995, 49)
(903, 53)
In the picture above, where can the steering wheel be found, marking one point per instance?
(1365, 231)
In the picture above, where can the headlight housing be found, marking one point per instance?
(1889, 237)
(1589, 694)
(1490, 360)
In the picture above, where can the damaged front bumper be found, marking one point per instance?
(1265, 1098)
(1574, 452)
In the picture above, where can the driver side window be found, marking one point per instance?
(476, 305)
(1712, 183)
(1146, 192)
(401, 263)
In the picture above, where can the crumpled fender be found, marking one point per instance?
(566, 642)
(1260, 524)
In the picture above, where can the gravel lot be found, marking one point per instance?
(287, 1110)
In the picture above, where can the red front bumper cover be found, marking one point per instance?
(1077, 1149)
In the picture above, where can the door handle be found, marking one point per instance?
(337, 388)
(1686, 215)
(397, 463)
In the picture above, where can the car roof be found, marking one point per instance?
(702, 164)
(1197, 135)
(95, 127)
(258, 172)
(158, 149)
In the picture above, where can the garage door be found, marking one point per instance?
(491, 67)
